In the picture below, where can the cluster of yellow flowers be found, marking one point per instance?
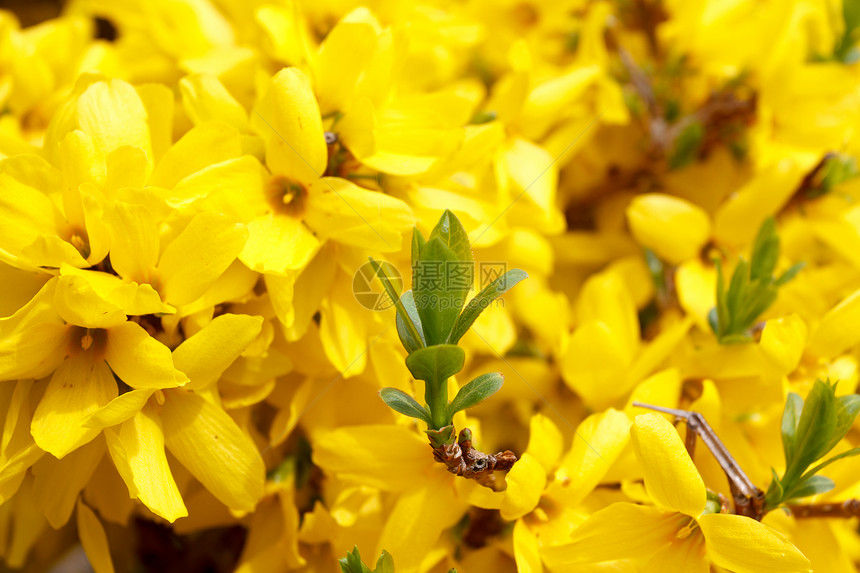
(189, 194)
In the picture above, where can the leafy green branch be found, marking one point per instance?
(810, 429)
(431, 319)
(752, 289)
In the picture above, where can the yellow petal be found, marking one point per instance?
(271, 540)
(837, 330)
(26, 213)
(782, 341)
(534, 174)
(683, 555)
(113, 114)
(139, 360)
(198, 256)
(34, 352)
(119, 409)
(606, 299)
(738, 218)
(206, 440)
(673, 228)
(341, 211)
(598, 442)
(526, 481)
(620, 531)
(387, 457)
(204, 97)
(204, 356)
(417, 519)
(79, 387)
(134, 248)
(594, 360)
(288, 119)
(343, 330)
(526, 549)
(203, 145)
(224, 187)
(671, 478)
(545, 442)
(99, 300)
(80, 304)
(657, 351)
(93, 539)
(745, 545)
(311, 286)
(57, 483)
(277, 244)
(343, 56)
(139, 450)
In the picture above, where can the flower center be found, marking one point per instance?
(286, 196)
(88, 340)
(80, 241)
(689, 528)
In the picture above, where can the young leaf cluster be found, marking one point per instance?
(752, 289)
(352, 563)
(433, 316)
(810, 429)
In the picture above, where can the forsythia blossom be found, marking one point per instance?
(193, 342)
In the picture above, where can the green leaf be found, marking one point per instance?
(752, 289)
(407, 335)
(352, 563)
(437, 299)
(450, 231)
(789, 274)
(775, 492)
(687, 145)
(790, 419)
(398, 304)
(436, 363)
(848, 454)
(847, 408)
(417, 244)
(400, 401)
(810, 486)
(482, 300)
(814, 430)
(385, 563)
(765, 252)
(722, 310)
(476, 392)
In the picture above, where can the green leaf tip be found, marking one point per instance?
(811, 428)
(751, 289)
(476, 392)
(401, 402)
(352, 563)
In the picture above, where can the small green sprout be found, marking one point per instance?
(431, 320)
(352, 563)
(810, 429)
(752, 289)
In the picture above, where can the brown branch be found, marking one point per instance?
(846, 509)
(465, 461)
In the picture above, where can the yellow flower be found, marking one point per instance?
(680, 532)
(395, 459)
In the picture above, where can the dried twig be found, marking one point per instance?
(465, 461)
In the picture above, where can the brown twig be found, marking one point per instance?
(465, 461)
(846, 509)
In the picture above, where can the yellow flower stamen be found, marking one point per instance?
(286, 196)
